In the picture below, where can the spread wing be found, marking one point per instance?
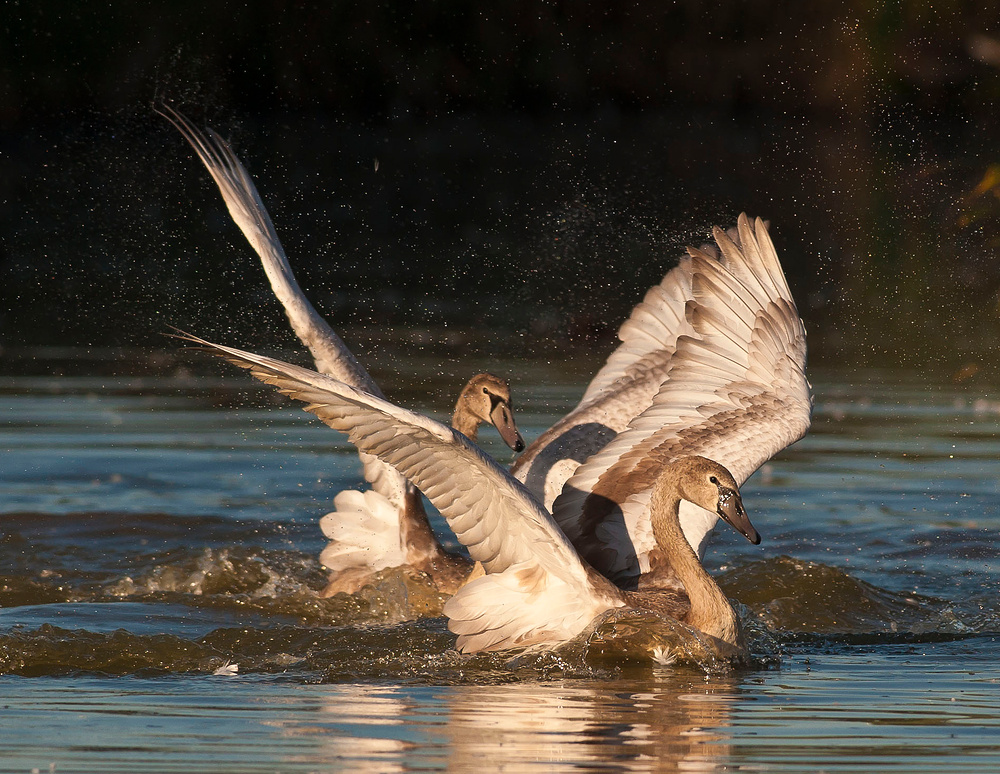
(536, 589)
(331, 355)
(735, 392)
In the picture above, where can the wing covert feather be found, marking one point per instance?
(623, 387)
(654, 325)
(537, 592)
(248, 212)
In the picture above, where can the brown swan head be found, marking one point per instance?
(708, 484)
(486, 398)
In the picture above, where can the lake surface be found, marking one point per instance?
(158, 607)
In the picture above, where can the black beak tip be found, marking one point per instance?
(519, 445)
(754, 539)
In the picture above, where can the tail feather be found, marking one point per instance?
(364, 533)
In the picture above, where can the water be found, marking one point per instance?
(158, 607)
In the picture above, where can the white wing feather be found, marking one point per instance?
(363, 533)
(653, 327)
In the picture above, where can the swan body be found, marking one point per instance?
(537, 592)
(387, 525)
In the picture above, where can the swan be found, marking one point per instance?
(385, 526)
(537, 593)
(739, 398)
(754, 293)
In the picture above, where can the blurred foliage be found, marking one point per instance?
(528, 168)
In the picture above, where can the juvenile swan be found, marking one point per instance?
(731, 386)
(385, 526)
(537, 592)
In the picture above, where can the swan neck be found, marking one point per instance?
(711, 611)
(465, 421)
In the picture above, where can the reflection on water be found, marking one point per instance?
(152, 534)
(912, 709)
(658, 724)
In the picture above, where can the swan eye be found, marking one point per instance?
(714, 480)
(485, 391)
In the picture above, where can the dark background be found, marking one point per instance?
(520, 172)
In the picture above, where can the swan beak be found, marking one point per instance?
(731, 510)
(503, 421)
